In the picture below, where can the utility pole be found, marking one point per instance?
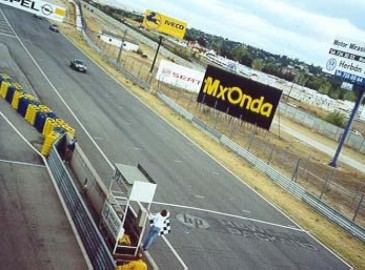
(154, 59)
(121, 48)
(360, 97)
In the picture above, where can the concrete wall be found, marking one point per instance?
(95, 190)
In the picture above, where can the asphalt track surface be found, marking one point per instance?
(34, 230)
(217, 222)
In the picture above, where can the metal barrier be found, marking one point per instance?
(94, 244)
(213, 133)
(328, 130)
(186, 114)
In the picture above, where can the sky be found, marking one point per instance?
(302, 29)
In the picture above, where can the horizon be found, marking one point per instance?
(298, 29)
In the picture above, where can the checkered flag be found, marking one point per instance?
(166, 229)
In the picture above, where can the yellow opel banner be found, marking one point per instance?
(164, 24)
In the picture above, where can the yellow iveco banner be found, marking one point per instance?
(164, 24)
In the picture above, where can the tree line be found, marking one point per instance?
(281, 66)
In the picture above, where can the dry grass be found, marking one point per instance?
(328, 233)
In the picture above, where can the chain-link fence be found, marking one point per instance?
(353, 140)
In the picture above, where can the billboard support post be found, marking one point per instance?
(360, 97)
(121, 48)
(154, 59)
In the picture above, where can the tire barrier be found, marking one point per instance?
(35, 113)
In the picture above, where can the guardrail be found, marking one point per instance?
(97, 250)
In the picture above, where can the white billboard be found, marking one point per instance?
(180, 76)
(38, 7)
(112, 221)
(128, 46)
(346, 59)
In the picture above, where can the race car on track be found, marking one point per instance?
(78, 65)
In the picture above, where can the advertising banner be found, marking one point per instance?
(164, 24)
(180, 76)
(242, 98)
(112, 221)
(41, 8)
(346, 60)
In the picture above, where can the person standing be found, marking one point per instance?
(70, 147)
(137, 264)
(157, 223)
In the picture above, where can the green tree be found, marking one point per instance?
(238, 52)
(242, 55)
(335, 93)
(336, 118)
(325, 88)
(301, 78)
(257, 64)
(272, 69)
(350, 96)
(316, 82)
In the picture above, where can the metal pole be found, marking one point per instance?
(295, 173)
(154, 59)
(333, 162)
(250, 142)
(216, 120)
(121, 48)
(329, 178)
(139, 71)
(271, 153)
(305, 170)
(291, 87)
(191, 100)
(358, 207)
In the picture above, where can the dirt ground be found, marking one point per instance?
(331, 235)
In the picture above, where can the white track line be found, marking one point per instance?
(231, 215)
(58, 94)
(18, 132)
(21, 163)
(6, 35)
(67, 213)
(104, 156)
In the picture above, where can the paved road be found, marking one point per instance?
(245, 232)
(34, 230)
(323, 148)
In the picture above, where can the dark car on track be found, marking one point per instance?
(78, 65)
(54, 28)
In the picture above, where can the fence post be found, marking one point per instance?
(179, 93)
(250, 142)
(305, 170)
(216, 119)
(329, 178)
(191, 100)
(139, 71)
(362, 143)
(232, 129)
(295, 173)
(271, 153)
(358, 207)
